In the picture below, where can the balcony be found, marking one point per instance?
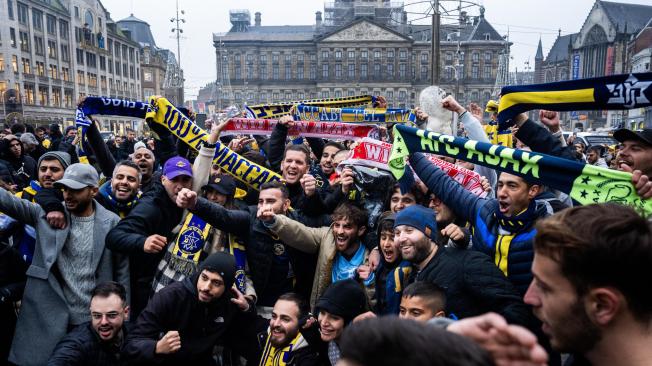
(29, 77)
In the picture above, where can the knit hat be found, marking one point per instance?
(344, 298)
(63, 157)
(28, 139)
(420, 218)
(139, 145)
(222, 264)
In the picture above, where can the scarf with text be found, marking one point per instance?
(161, 111)
(584, 183)
(276, 110)
(273, 356)
(304, 112)
(624, 91)
(188, 246)
(327, 130)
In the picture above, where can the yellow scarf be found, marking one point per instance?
(273, 356)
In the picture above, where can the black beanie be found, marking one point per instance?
(344, 298)
(222, 264)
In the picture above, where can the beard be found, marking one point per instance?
(575, 332)
(284, 340)
(422, 250)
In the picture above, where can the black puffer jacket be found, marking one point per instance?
(201, 326)
(155, 213)
(261, 245)
(82, 346)
(474, 286)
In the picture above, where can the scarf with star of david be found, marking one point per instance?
(624, 91)
(584, 183)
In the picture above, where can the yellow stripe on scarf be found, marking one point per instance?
(547, 97)
(161, 111)
(276, 110)
(502, 251)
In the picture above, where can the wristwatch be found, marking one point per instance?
(208, 145)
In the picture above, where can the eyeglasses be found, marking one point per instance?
(113, 315)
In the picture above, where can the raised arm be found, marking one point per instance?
(296, 234)
(19, 209)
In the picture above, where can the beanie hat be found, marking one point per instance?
(63, 157)
(28, 139)
(344, 298)
(420, 218)
(222, 264)
(139, 145)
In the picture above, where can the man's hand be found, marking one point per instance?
(550, 119)
(484, 182)
(238, 145)
(364, 271)
(287, 121)
(640, 181)
(265, 213)
(309, 184)
(420, 114)
(240, 300)
(56, 219)
(363, 316)
(509, 345)
(186, 199)
(170, 343)
(155, 243)
(380, 102)
(449, 103)
(374, 258)
(347, 180)
(216, 129)
(475, 111)
(453, 231)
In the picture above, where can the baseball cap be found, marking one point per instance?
(177, 166)
(78, 176)
(624, 134)
(221, 183)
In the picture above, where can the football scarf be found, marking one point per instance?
(161, 111)
(276, 110)
(273, 356)
(121, 208)
(189, 244)
(584, 183)
(326, 130)
(304, 112)
(624, 91)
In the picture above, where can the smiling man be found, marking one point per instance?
(503, 228)
(121, 193)
(635, 152)
(592, 274)
(100, 341)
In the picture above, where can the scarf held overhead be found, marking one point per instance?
(353, 115)
(161, 111)
(281, 109)
(329, 130)
(610, 92)
(584, 183)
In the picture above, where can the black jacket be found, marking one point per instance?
(12, 284)
(23, 169)
(200, 326)
(474, 286)
(260, 246)
(312, 353)
(155, 213)
(539, 139)
(82, 346)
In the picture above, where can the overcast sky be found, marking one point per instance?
(527, 20)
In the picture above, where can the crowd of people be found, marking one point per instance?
(149, 253)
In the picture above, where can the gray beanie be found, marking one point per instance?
(63, 157)
(28, 139)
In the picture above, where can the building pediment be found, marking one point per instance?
(362, 31)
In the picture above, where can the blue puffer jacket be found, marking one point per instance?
(488, 237)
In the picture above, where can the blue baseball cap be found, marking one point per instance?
(177, 166)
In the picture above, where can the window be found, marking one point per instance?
(80, 56)
(403, 54)
(63, 29)
(449, 57)
(402, 95)
(424, 58)
(475, 57)
(313, 71)
(110, 64)
(324, 55)
(338, 94)
(263, 71)
(390, 70)
(131, 55)
(132, 72)
(236, 58)
(402, 70)
(10, 9)
(263, 97)
(124, 52)
(117, 50)
(110, 46)
(275, 72)
(103, 82)
(51, 25)
(324, 71)
(2, 68)
(52, 71)
(288, 59)
(288, 71)
(43, 95)
(77, 12)
(275, 97)
(40, 68)
(24, 41)
(351, 72)
(38, 46)
(29, 94)
(338, 55)
(80, 78)
(14, 63)
(12, 36)
(117, 68)
(263, 58)
(376, 54)
(56, 97)
(351, 55)
(424, 72)
(22, 13)
(65, 74)
(325, 94)
(250, 71)
(338, 71)
(250, 58)
(102, 63)
(487, 72)
(363, 71)
(363, 54)
(300, 58)
(390, 53)
(377, 70)
(300, 75)
(27, 67)
(389, 95)
(475, 72)
(52, 49)
(67, 95)
(92, 80)
(288, 96)
(37, 19)
(65, 55)
(124, 69)
(487, 56)
(275, 58)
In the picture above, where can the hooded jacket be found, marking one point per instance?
(201, 326)
(23, 168)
